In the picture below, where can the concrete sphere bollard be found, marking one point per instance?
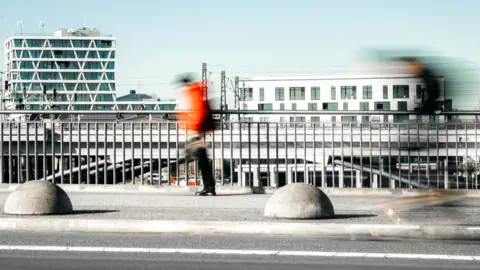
(38, 197)
(299, 201)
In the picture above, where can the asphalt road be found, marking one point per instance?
(83, 261)
(13, 257)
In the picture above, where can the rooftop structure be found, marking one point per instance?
(137, 101)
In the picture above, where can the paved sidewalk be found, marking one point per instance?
(237, 214)
(249, 208)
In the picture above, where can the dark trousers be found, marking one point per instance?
(205, 169)
(196, 148)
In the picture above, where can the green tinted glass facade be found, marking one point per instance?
(79, 70)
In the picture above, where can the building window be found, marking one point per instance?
(419, 92)
(345, 106)
(18, 43)
(27, 65)
(347, 118)
(382, 106)
(262, 94)
(364, 106)
(367, 92)
(297, 93)
(265, 107)
(400, 91)
(334, 119)
(264, 119)
(247, 94)
(81, 43)
(348, 92)
(294, 106)
(25, 54)
(312, 106)
(315, 93)
(330, 106)
(103, 43)
(38, 43)
(315, 119)
(385, 92)
(434, 118)
(282, 106)
(279, 94)
(401, 118)
(402, 106)
(365, 118)
(300, 119)
(333, 93)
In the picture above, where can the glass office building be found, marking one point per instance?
(71, 70)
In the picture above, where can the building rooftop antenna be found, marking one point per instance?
(42, 26)
(21, 25)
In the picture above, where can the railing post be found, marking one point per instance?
(381, 167)
(341, 174)
(375, 181)
(256, 176)
(241, 180)
(358, 176)
(274, 177)
(445, 173)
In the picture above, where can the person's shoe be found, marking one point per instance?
(206, 192)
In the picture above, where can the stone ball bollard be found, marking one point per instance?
(299, 201)
(38, 197)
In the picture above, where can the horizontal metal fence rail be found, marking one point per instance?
(236, 112)
(340, 155)
(263, 125)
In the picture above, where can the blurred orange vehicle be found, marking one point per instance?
(191, 181)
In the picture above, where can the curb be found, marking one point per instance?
(234, 190)
(139, 189)
(238, 228)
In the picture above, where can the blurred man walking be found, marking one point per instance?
(430, 94)
(198, 122)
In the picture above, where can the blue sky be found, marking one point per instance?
(159, 39)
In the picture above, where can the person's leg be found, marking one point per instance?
(197, 149)
(206, 171)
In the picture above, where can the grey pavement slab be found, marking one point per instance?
(250, 208)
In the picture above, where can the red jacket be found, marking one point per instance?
(197, 107)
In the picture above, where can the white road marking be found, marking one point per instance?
(244, 252)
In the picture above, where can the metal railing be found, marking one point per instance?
(340, 155)
(244, 112)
